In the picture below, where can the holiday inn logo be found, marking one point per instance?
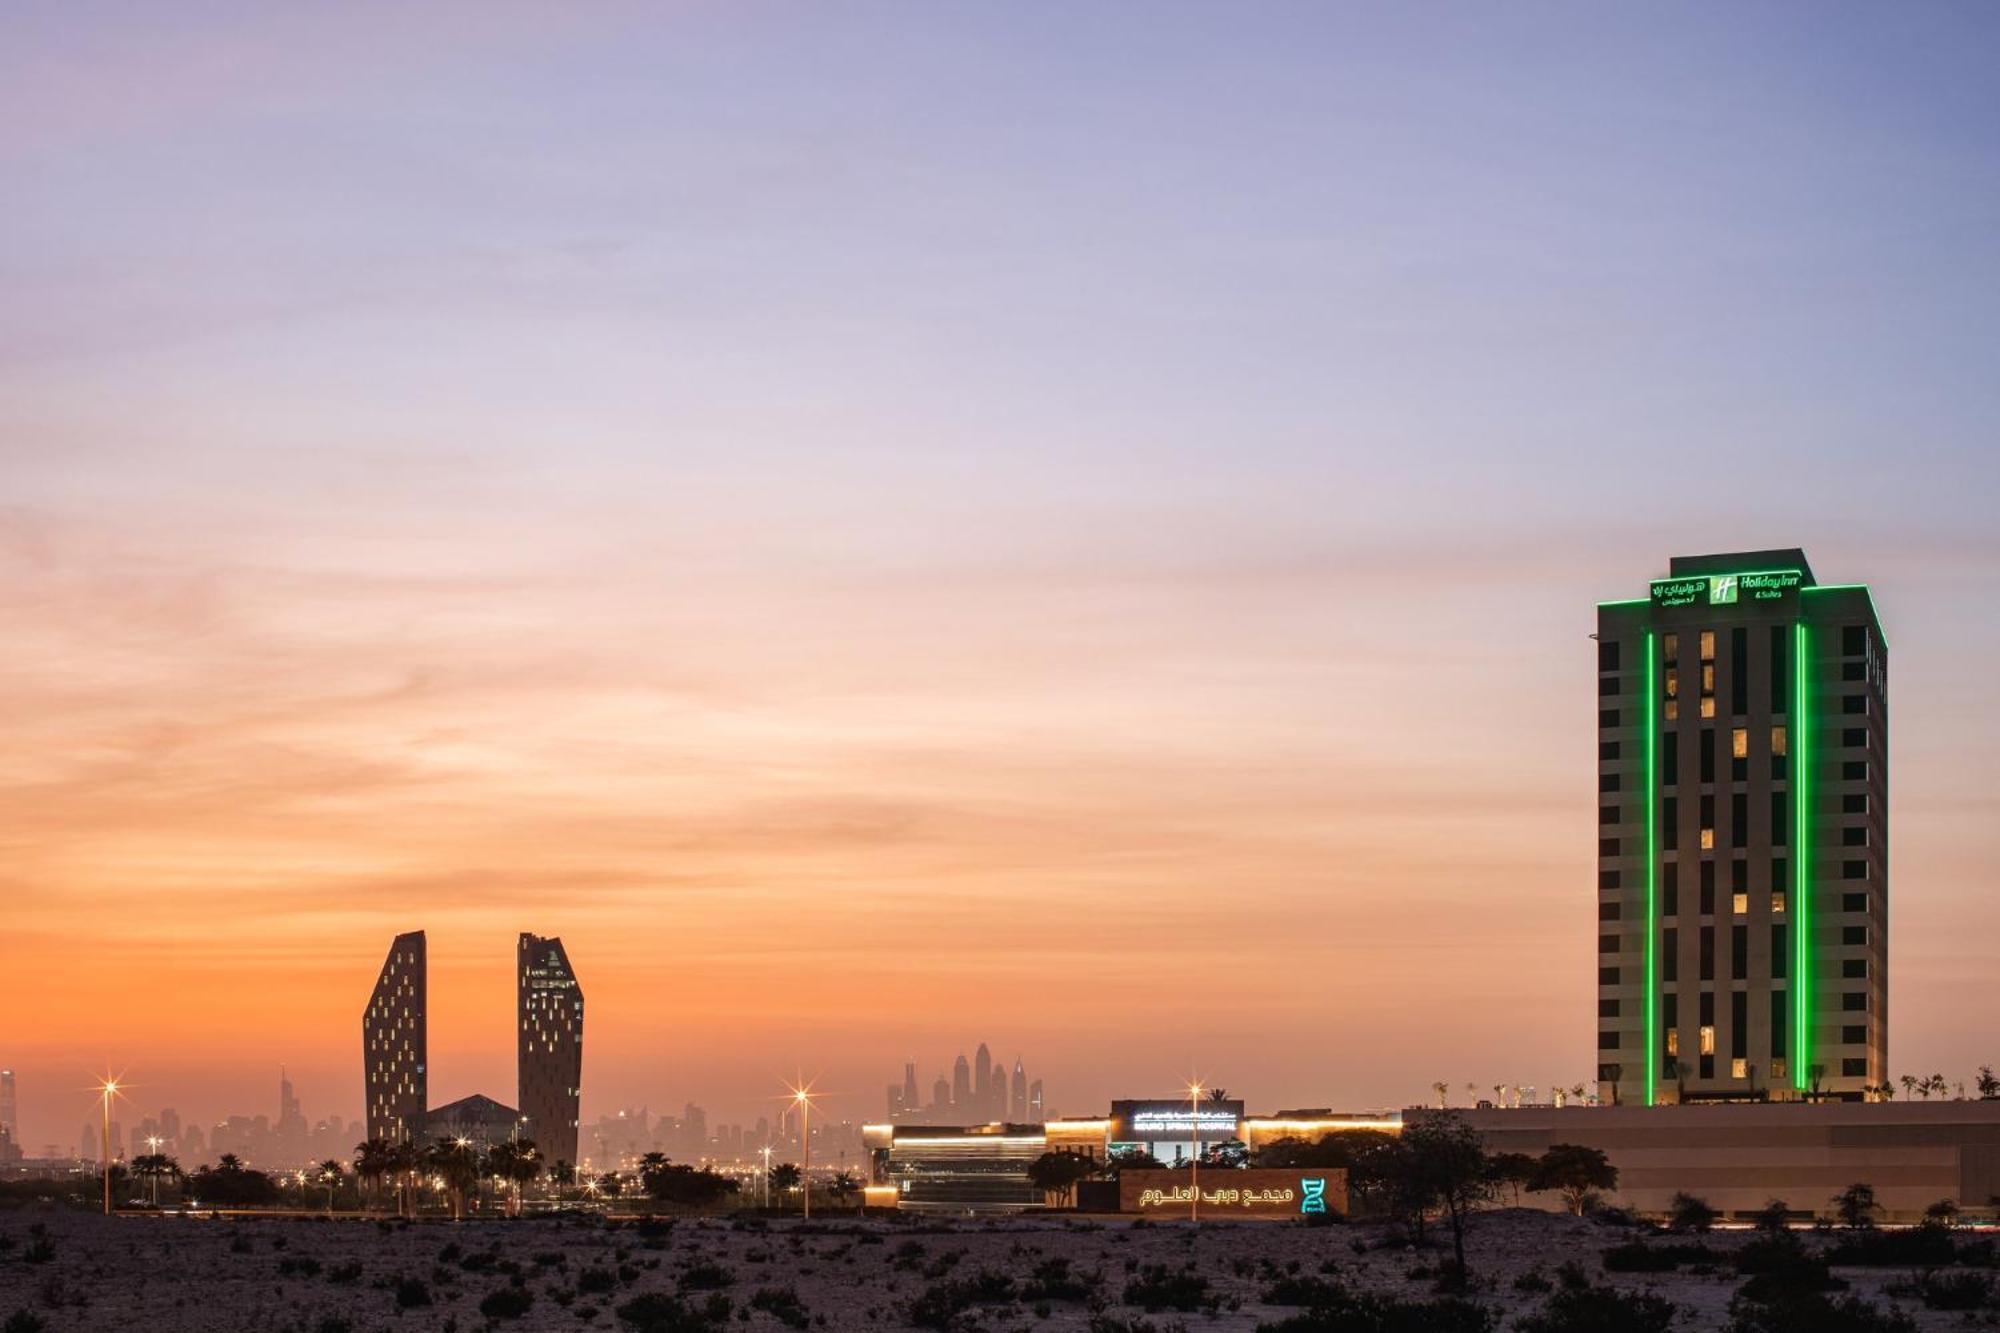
(1722, 590)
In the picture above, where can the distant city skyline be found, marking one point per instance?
(882, 524)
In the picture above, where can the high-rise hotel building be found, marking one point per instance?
(393, 1038)
(1743, 851)
(550, 1047)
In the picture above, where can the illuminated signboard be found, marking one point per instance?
(1771, 585)
(1257, 1192)
(1183, 1122)
(1159, 1119)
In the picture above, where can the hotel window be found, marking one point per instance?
(1854, 935)
(1708, 645)
(1853, 902)
(1739, 820)
(1673, 1041)
(1780, 1019)
(1777, 900)
(1778, 740)
(1670, 646)
(1607, 655)
(1852, 1067)
(1708, 705)
(1708, 678)
(1670, 954)
(1778, 954)
(1673, 710)
(1854, 969)
(1708, 840)
(1739, 743)
(1854, 1034)
(1707, 1046)
(1739, 903)
(1739, 953)
(1739, 1068)
(1708, 953)
(1670, 759)
(1707, 888)
(1673, 682)
(1707, 754)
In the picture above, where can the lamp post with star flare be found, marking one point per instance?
(107, 1088)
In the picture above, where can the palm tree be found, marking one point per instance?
(515, 1162)
(1989, 1086)
(786, 1176)
(331, 1173)
(406, 1159)
(1443, 1091)
(454, 1162)
(375, 1160)
(843, 1186)
(1909, 1083)
(151, 1167)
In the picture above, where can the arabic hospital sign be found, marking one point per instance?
(1258, 1192)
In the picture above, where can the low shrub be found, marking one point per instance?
(1055, 1280)
(1346, 1312)
(1158, 1287)
(1635, 1256)
(660, 1312)
(507, 1303)
(1590, 1309)
(1927, 1246)
(1815, 1313)
(24, 1321)
(783, 1305)
(411, 1293)
(705, 1277)
(1955, 1290)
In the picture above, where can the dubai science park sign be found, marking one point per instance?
(1257, 1192)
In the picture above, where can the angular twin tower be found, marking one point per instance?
(548, 1047)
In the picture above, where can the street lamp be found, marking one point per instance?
(1194, 1151)
(766, 1190)
(107, 1088)
(803, 1100)
(153, 1142)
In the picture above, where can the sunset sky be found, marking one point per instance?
(888, 526)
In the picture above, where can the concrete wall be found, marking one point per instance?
(1739, 1157)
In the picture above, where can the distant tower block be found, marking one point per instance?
(550, 1048)
(393, 1057)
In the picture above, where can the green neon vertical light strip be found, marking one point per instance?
(1652, 872)
(1801, 868)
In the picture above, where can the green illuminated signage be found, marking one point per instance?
(1652, 870)
(1801, 869)
(1771, 585)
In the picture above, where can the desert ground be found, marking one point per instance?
(78, 1271)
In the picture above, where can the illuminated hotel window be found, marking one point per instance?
(1739, 1069)
(1708, 1041)
(1740, 903)
(1739, 743)
(1670, 644)
(1708, 678)
(1708, 839)
(1777, 902)
(1673, 683)
(1708, 645)
(1673, 709)
(1777, 740)
(1708, 705)
(1673, 1041)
